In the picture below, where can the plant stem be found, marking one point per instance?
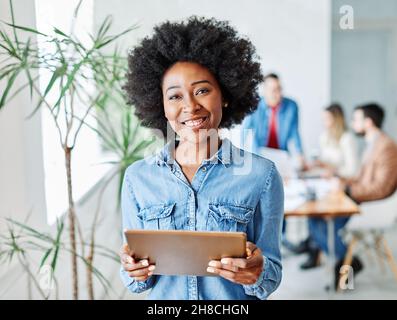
(90, 257)
(72, 222)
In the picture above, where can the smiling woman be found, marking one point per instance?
(199, 76)
(213, 44)
(183, 95)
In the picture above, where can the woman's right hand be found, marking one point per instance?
(139, 270)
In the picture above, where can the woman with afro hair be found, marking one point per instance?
(188, 80)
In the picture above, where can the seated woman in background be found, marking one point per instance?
(338, 147)
(339, 156)
(193, 78)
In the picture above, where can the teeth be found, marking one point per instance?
(194, 123)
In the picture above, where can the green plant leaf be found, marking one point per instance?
(142, 145)
(30, 82)
(104, 28)
(11, 49)
(32, 231)
(60, 225)
(76, 10)
(70, 79)
(60, 71)
(43, 260)
(21, 88)
(57, 31)
(12, 67)
(5, 48)
(8, 87)
(25, 29)
(110, 39)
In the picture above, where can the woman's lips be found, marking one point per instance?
(196, 124)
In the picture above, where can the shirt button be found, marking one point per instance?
(204, 169)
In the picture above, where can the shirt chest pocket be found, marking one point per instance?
(158, 217)
(227, 217)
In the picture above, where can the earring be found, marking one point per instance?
(225, 105)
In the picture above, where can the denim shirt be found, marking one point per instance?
(234, 190)
(287, 124)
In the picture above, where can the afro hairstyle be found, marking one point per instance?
(211, 43)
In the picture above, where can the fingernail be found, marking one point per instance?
(150, 274)
(212, 264)
(145, 263)
(151, 268)
(209, 269)
(224, 261)
(130, 260)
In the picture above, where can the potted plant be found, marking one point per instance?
(74, 67)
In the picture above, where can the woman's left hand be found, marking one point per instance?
(240, 270)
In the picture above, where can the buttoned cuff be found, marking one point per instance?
(267, 282)
(133, 285)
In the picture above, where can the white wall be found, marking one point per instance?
(291, 37)
(21, 169)
(364, 67)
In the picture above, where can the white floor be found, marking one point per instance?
(374, 282)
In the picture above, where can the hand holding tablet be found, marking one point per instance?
(240, 270)
(180, 252)
(177, 252)
(138, 269)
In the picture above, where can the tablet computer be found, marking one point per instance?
(181, 252)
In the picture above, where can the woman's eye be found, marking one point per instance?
(174, 97)
(202, 91)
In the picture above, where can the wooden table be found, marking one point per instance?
(331, 206)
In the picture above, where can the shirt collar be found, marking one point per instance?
(223, 155)
(276, 108)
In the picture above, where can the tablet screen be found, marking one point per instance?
(180, 252)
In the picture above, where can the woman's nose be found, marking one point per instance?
(190, 104)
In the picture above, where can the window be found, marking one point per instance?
(87, 157)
